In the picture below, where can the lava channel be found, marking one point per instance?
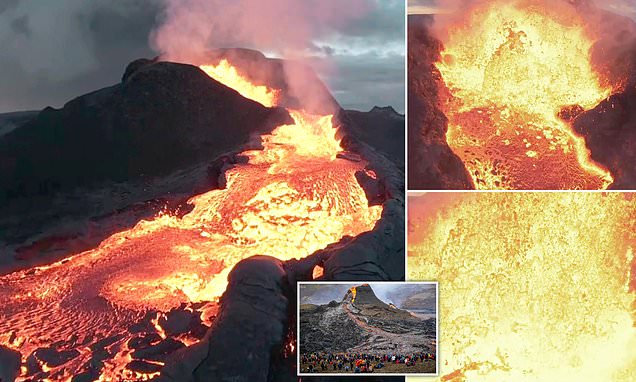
(517, 73)
(118, 311)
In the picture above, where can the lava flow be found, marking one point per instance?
(117, 312)
(518, 72)
(533, 286)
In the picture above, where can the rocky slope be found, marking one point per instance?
(10, 121)
(73, 176)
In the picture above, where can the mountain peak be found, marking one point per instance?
(362, 295)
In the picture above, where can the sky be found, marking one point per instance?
(52, 54)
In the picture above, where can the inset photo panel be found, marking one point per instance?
(534, 286)
(361, 328)
(521, 94)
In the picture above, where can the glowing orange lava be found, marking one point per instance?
(317, 272)
(511, 68)
(289, 200)
(532, 286)
(228, 75)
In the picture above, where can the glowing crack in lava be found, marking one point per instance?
(511, 69)
(107, 312)
(533, 286)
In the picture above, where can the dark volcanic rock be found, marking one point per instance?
(143, 367)
(158, 352)
(328, 329)
(9, 364)
(432, 164)
(11, 121)
(373, 255)
(610, 134)
(54, 357)
(164, 117)
(252, 322)
(381, 128)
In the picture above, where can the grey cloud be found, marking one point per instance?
(384, 23)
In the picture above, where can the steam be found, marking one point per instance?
(283, 28)
(286, 27)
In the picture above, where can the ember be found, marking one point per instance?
(157, 283)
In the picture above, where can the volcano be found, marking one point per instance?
(500, 100)
(361, 323)
(143, 219)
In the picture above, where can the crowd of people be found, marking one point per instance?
(357, 362)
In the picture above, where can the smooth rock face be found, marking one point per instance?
(374, 255)
(432, 163)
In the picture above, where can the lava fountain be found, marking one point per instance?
(518, 72)
(533, 286)
(117, 311)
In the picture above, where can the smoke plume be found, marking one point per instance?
(284, 28)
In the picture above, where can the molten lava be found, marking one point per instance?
(511, 68)
(227, 74)
(90, 312)
(533, 286)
